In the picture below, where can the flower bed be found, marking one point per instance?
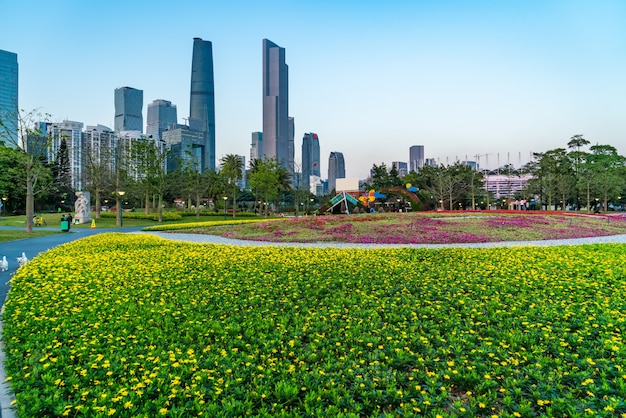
(429, 228)
(140, 326)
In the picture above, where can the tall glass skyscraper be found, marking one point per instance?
(310, 157)
(276, 104)
(202, 99)
(416, 158)
(8, 97)
(128, 109)
(336, 169)
(161, 116)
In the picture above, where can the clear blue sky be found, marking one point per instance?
(371, 78)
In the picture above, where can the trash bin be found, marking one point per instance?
(65, 226)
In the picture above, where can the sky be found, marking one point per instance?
(488, 81)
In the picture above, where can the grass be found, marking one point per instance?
(424, 228)
(53, 221)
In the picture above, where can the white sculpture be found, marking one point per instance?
(81, 208)
(4, 264)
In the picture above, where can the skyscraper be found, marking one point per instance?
(310, 157)
(202, 99)
(161, 116)
(128, 109)
(256, 147)
(8, 97)
(416, 157)
(275, 104)
(291, 143)
(311, 154)
(336, 169)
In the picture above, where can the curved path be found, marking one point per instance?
(34, 246)
(213, 239)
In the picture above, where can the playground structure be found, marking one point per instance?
(368, 199)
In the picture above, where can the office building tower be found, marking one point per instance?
(242, 183)
(310, 157)
(128, 109)
(256, 147)
(336, 169)
(416, 157)
(275, 105)
(401, 168)
(8, 98)
(187, 148)
(291, 144)
(202, 99)
(161, 116)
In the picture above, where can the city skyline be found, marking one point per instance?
(460, 78)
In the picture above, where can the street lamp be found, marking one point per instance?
(225, 202)
(4, 206)
(120, 208)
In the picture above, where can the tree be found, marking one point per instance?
(32, 142)
(608, 169)
(575, 144)
(232, 172)
(62, 174)
(266, 181)
(99, 167)
(150, 158)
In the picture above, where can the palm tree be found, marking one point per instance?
(232, 172)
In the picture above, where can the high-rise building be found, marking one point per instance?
(256, 147)
(161, 116)
(291, 145)
(72, 133)
(187, 147)
(276, 105)
(416, 157)
(401, 167)
(202, 99)
(128, 109)
(8, 97)
(310, 157)
(336, 169)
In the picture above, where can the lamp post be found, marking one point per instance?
(120, 208)
(4, 206)
(225, 202)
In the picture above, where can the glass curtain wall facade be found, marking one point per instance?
(128, 109)
(276, 105)
(310, 157)
(161, 116)
(336, 169)
(8, 97)
(202, 98)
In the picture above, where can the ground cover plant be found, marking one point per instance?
(141, 326)
(423, 228)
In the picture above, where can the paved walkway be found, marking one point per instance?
(34, 246)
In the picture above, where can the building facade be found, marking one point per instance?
(72, 133)
(202, 98)
(256, 147)
(401, 167)
(187, 147)
(128, 109)
(416, 158)
(8, 97)
(276, 131)
(161, 117)
(310, 157)
(336, 169)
